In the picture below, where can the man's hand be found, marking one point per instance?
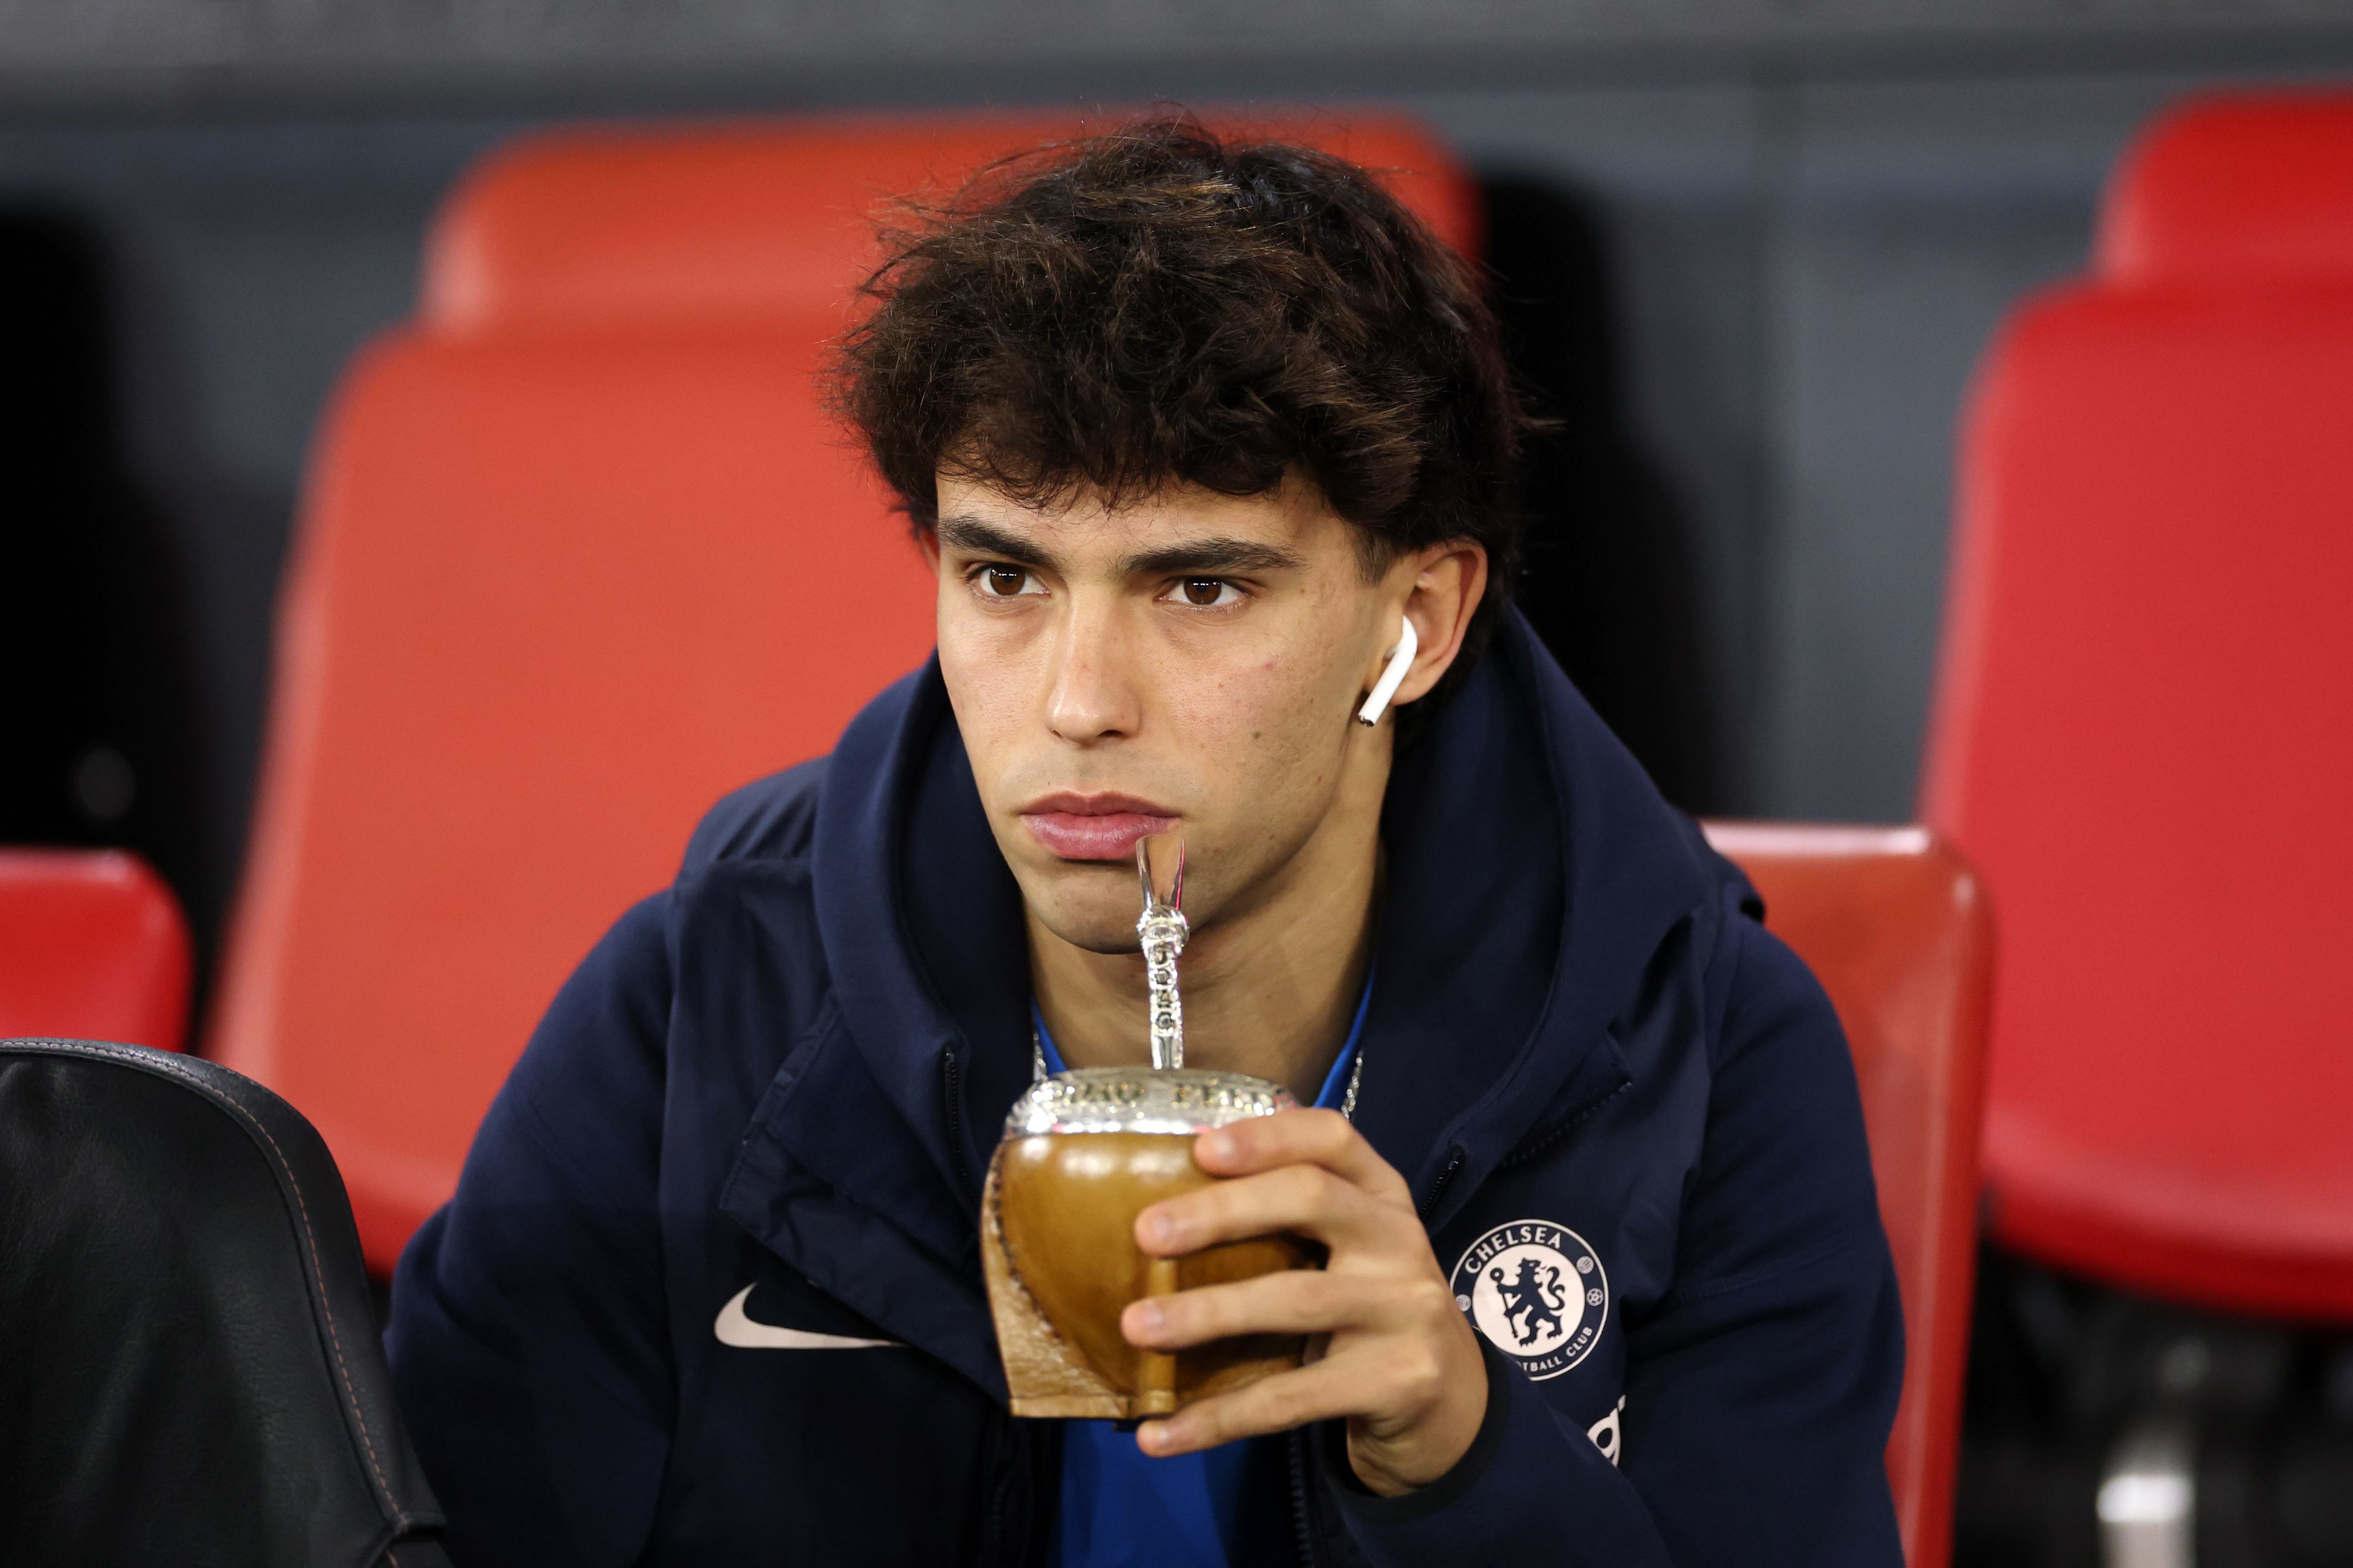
(1400, 1363)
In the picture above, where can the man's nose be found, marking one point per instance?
(1094, 695)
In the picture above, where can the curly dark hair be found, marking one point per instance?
(1158, 304)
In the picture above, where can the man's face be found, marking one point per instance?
(1192, 659)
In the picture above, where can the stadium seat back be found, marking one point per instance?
(2250, 186)
(581, 551)
(92, 946)
(2144, 740)
(1896, 927)
(193, 1373)
(554, 598)
(729, 223)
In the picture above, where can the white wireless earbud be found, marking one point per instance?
(1385, 687)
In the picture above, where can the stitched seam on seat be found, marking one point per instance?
(309, 1237)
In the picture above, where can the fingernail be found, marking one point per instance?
(1149, 1318)
(1218, 1145)
(1159, 1228)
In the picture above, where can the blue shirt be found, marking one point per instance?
(1122, 1508)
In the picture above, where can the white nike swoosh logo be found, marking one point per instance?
(734, 1328)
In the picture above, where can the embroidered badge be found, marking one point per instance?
(1538, 1293)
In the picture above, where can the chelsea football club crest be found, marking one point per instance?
(1538, 1293)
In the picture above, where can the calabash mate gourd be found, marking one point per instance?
(1085, 1151)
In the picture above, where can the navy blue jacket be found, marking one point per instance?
(1627, 1113)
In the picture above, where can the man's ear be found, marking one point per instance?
(928, 543)
(1448, 581)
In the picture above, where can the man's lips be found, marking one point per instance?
(1093, 826)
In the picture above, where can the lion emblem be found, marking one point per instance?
(1532, 1302)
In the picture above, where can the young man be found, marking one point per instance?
(1189, 432)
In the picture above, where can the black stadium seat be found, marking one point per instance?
(190, 1372)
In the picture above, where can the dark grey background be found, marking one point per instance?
(1814, 213)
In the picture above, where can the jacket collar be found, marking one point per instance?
(1532, 874)
(922, 924)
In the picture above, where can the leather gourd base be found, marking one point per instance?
(1058, 1245)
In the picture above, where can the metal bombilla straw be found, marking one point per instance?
(1161, 931)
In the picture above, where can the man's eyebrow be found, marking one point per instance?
(975, 537)
(1208, 557)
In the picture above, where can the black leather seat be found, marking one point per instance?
(190, 1372)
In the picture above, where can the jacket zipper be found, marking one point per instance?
(1302, 1525)
(1544, 1140)
(999, 1484)
(1437, 1187)
(951, 1095)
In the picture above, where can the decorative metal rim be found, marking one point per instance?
(1141, 1099)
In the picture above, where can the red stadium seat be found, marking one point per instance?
(1895, 927)
(92, 947)
(580, 552)
(2253, 186)
(2143, 736)
(732, 223)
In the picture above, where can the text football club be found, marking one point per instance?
(1538, 1293)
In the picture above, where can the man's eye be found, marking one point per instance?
(1009, 582)
(1207, 592)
